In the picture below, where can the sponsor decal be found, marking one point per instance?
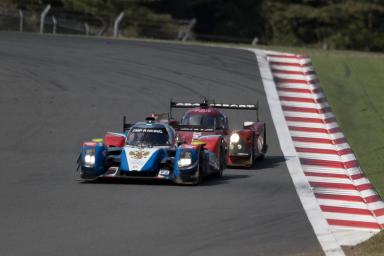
(204, 110)
(137, 158)
(187, 104)
(139, 154)
(145, 130)
(196, 135)
(218, 105)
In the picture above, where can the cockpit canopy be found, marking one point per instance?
(214, 120)
(148, 136)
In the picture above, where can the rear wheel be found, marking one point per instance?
(251, 159)
(261, 145)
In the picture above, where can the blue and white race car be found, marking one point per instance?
(147, 150)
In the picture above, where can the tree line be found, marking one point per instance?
(336, 24)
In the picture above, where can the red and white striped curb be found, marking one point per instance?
(346, 197)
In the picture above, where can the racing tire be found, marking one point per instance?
(222, 163)
(252, 159)
(200, 174)
(262, 148)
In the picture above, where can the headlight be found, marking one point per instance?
(183, 162)
(89, 158)
(235, 138)
(185, 159)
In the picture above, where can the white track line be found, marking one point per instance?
(304, 191)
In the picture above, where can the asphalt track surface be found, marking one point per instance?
(56, 92)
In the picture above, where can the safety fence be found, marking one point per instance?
(48, 20)
(52, 20)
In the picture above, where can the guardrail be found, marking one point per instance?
(50, 20)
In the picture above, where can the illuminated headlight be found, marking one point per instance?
(235, 138)
(89, 158)
(183, 162)
(185, 159)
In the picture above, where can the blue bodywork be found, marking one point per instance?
(97, 169)
(144, 161)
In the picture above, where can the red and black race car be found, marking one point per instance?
(205, 122)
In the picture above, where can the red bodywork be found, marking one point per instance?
(252, 141)
(114, 140)
(218, 139)
(212, 139)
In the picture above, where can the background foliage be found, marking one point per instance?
(337, 24)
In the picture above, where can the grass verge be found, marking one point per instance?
(353, 84)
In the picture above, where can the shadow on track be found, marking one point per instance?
(266, 163)
(226, 178)
(208, 181)
(133, 181)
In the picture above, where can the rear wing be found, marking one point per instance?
(255, 107)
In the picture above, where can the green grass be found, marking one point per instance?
(371, 247)
(354, 86)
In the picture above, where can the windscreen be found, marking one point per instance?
(148, 137)
(203, 120)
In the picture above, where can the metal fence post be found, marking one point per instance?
(21, 23)
(116, 25)
(42, 18)
(86, 27)
(188, 32)
(54, 23)
(255, 41)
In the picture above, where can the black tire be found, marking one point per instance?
(200, 176)
(252, 159)
(264, 147)
(222, 164)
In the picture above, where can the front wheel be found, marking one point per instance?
(200, 174)
(222, 163)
